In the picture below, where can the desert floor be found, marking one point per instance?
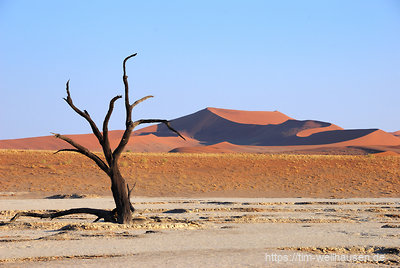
(204, 210)
(41, 173)
(207, 232)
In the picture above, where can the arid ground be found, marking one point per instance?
(43, 173)
(204, 210)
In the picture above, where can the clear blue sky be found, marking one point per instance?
(335, 61)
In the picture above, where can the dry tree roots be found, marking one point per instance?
(107, 215)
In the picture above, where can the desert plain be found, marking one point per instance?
(204, 210)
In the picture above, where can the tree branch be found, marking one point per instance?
(125, 60)
(128, 122)
(106, 141)
(107, 215)
(141, 100)
(165, 122)
(67, 150)
(84, 114)
(108, 115)
(83, 150)
(129, 196)
(126, 85)
(124, 140)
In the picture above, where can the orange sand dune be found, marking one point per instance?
(377, 142)
(52, 143)
(37, 143)
(378, 137)
(147, 143)
(397, 133)
(310, 131)
(223, 147)
(387, 153)
(223, 130)
(299, 149)
(209, 128)
(152, 143)
(251, 117)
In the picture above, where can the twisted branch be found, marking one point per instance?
(83, 150)
(67, 150)
(141, 100)
(107, 215)
(129, 196)
(84, 114)
(106, 141)
(128, 122)
(165, 122)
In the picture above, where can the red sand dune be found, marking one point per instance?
(387, 153)
(148, 143)
(223, 147)
(378, 137)
(152, 143)
(397, 133)
(223, 130)
(310, 131)
(52, 143)
(251, 117)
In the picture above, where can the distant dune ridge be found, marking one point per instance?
(397, 133)
(217, 130)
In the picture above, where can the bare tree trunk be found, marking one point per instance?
(121, 196)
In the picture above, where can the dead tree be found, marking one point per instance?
(120, 189)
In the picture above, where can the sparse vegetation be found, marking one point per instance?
(207, 174)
